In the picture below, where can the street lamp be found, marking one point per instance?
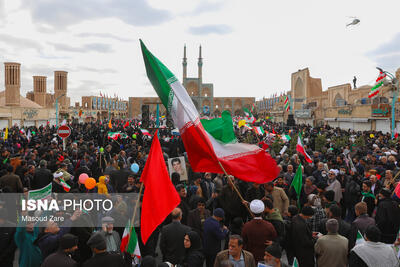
(395, 88)
(57, 108)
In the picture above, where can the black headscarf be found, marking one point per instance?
(195, 241)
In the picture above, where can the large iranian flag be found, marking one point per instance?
(205, 152)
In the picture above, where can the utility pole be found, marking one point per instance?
(395, 89)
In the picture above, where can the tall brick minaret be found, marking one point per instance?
(60, 87)
(12, 83)
(40, 90)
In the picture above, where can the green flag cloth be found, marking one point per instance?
(295, 263)
(221, 128)
(360, 239)
(297, 182)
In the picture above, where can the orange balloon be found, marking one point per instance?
(90, 183)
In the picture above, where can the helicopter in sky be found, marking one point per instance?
(354, 22)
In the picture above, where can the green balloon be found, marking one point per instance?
(33, 132)
(101, 150)
(134, 136)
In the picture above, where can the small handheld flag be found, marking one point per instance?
(360, 239)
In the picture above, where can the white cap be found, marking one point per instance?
(58, 174)
(257, 206)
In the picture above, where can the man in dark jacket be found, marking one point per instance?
(48, 240)
(255, 191)
(12, 181)
(42, 176)
(302, 239)
(230, 202)
(183, 205)
(207, 186)
(101, 257)
(172, 236)
(198, 216)
(335, 212)
(7, 244)
(361, 223)
(351, 196)
(212, 236)
(61, 258)
(119, 177)
(387, 217)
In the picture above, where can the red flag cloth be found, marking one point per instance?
(273, 131)
(160, 196)
(126, 124)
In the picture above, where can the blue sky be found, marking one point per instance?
(250, 48)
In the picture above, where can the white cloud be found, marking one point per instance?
(60, 13)
(209, 29)
(103, 35)
(96, 47)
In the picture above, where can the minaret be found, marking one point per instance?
(60, 87)
(12, 83)
(200, 65)
(200, 74)
(39, 90)
(184, 64)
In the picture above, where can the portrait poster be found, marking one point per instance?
(178, 165)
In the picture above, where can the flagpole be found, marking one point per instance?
(136, 205)
(131, 226)
(234, 187)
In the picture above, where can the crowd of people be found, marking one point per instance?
(347, 212)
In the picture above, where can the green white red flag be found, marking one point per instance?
(145, 132)
(129, 241)
(286, 137)
(205, 152)
(248, 116)
(253, 107)
(295, 263)
(65, 186)
(116, 135)
(286, 103)
(360, 239)
(259, 130)
(220, 128)
(301, 150)
(113, 135)
(378, 84)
